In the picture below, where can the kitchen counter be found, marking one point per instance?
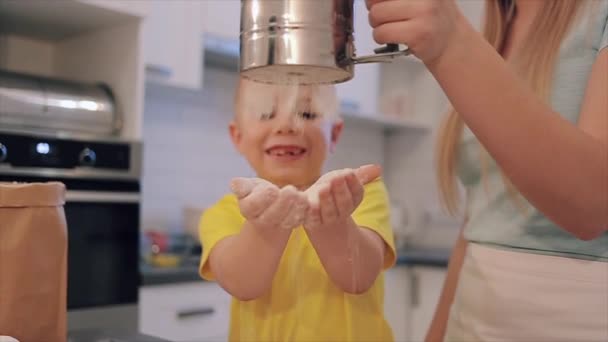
(106, 336)
(413, 256)
(151, 275)
(417, 256)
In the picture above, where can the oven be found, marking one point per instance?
(102, 209)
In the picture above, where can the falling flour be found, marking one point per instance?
(287, 96)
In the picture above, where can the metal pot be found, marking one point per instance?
(310, 41)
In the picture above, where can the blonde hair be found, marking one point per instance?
(535, 62)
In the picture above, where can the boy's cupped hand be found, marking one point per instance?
(264, 205)
(331, 200)
(336, 195)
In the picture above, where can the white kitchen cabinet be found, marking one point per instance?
(360, 94)
(173, 43)
(89, 41)
(222, 18)
(396, 301)
(411, 296)
(136, 8)
(426, 285)
(193, 311)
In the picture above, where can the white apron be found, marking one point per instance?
(511, 296)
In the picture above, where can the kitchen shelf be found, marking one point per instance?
(389, 125)
(55, 20)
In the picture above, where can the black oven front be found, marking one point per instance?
(102, 210)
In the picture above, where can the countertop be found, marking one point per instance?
(419, 256)
(107, 336)
(413, 256)
(167, 275)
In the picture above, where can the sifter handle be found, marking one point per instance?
(382, 54)
(387, 48)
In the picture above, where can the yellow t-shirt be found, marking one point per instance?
(304, 304)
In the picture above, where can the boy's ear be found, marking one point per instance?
(235, 135)
(336, 133)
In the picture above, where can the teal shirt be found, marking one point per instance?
(494, 219)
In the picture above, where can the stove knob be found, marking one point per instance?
(87, 157)
(3, 153)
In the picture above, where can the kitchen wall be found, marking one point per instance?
(410, 169)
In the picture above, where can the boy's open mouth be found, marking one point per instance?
(285, 151)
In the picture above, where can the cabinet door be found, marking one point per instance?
(222, 18)
(197, 311)
(426, 286)
(128, 7)
(396, 301)
(360, 94)
(173, 43)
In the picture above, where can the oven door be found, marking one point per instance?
(103, 239)
(103, 256)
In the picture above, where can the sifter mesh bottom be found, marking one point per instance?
(299, 74)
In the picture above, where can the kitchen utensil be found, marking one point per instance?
(302, 41)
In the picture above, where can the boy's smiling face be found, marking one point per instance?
(285, 132)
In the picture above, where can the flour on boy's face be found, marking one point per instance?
(283, 131)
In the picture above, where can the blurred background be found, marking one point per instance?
(133, 99)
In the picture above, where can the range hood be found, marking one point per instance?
(220, 52)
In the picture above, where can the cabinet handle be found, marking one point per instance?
(414, 288)
(159, 70)
(188, 313)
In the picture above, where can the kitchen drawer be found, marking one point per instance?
(198, 311)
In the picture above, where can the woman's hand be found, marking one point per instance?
(428, 27)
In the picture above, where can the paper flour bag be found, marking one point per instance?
(33, 262)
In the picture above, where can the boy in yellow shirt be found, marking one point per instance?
(302, 255)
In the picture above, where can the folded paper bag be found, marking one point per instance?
(33, 262)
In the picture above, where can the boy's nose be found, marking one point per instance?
(286, 124)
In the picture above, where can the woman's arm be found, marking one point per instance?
(442, 311)
(560, 168)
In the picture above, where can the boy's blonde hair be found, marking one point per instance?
(256, 98)
(535, 62)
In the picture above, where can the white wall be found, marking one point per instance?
(188, 159)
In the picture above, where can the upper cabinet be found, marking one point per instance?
(173, 43)
(222, 18)
(135, 8)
